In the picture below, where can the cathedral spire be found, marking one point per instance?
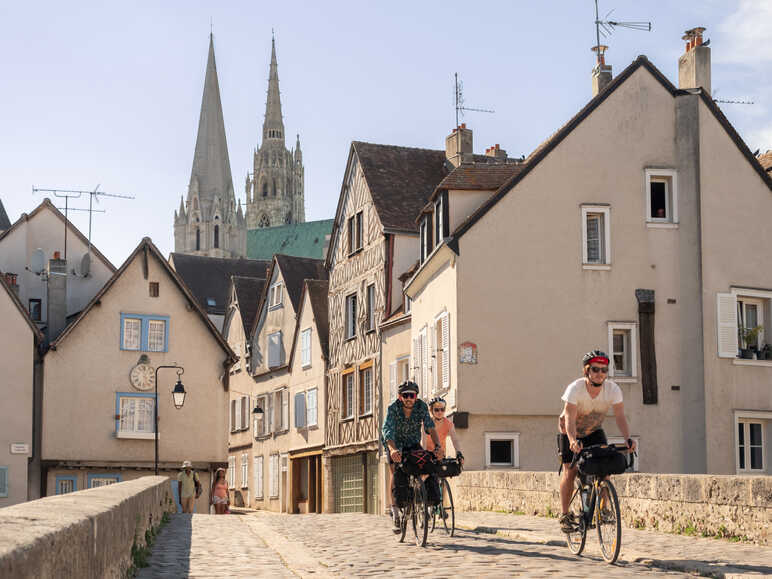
(273, 125)
(211, 166)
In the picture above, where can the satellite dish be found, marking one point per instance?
(85, 265)
(37, 262)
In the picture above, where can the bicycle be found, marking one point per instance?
(445, 510)
(416, 507)
(595, 502)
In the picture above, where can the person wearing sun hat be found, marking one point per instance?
(189, 486)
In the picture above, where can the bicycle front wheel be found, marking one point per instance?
(446, 511)
(576, 539)
(609, 522)
(404, 513)
(420, 512)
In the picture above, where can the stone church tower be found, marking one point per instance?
(210, 223)
(275, 189)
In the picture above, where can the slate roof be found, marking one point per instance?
(309, 239)
(400, 180)
(480, 176)
(248, 291)
(295, 270)
(765, 159)
(318, 291)
(5, 223)
(209, 278)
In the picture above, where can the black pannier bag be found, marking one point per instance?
(433, 494)
(419, 462)
(448, 467)
(401, 492)
(602, 460)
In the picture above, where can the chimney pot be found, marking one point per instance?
(694, 63)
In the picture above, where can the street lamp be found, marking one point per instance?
(178, 395)
(256, 413)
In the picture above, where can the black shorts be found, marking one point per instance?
(567, 455)
(403, 451)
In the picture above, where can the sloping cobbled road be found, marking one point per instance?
(260, 544)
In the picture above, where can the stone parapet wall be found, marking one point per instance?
(83, 534)
(729, 506)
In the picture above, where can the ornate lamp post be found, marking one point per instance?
(178, 395)
(256, 413)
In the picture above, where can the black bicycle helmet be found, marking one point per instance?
(435, 400)
(595, 355)
(408, 386)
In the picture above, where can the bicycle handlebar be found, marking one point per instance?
(623, 448)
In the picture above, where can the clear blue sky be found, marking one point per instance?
(109, 93)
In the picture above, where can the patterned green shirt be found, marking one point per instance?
(406, 432)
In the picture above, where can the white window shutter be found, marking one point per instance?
(392, 381)
(434, 343)
(445, 352)
(300, 410)
(285, 409)
(424, 362)
(726, 324)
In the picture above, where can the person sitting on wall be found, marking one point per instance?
(406, 417)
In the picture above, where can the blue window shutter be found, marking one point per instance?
(300, 410)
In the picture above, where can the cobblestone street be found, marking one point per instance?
(260, 544)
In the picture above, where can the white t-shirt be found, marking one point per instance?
(590, 412)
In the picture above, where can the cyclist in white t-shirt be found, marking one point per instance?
(587, 401)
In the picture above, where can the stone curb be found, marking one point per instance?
(697, 567)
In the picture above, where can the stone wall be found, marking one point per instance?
(739, 506)
(82, 534)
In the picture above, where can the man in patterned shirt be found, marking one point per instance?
(406, 417)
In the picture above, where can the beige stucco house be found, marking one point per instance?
(275, 453)
(635, 229)
(98, 389)
(19, 341)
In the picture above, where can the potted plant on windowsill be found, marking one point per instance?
(765, 353)
(750, 336)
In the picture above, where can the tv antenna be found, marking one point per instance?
(459, 100)
(606, 27)
(731, 101)
(68, 194)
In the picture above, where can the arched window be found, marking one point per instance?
(264, 221)
(198, 239)
(274, 187)
(217, 236)
(265, 189)
(288, 219)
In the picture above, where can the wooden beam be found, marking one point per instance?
(647, 349)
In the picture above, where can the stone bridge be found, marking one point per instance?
(103, 532)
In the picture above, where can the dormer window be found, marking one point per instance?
(426, 237)
(441, 229)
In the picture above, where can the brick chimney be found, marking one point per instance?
(458, 145)
(57, 296)
(496, 152)
(601, 72)
(694, 63)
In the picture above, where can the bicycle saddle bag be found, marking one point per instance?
(602, 461)
(419, 462)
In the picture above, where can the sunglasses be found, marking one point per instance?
(597, 369)
(408, 395)
(438, 409)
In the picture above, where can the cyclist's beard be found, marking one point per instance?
(593, 383)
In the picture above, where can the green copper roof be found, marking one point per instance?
(298, 240)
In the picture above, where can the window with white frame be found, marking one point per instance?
(623, 350)
(661, 196)
(274, 349)
(275, 295)
(273, 475)
(232, 472)
(751, 431)
(270, 408)
(261, 419)
(102, 480)
(244, 423)
(408, 304)
(596, 235)
(351, 316)
(282, 408)
(440, 222)
(620, 440)
(244, 470)
(3, 481)
(399, 372)
(366, 391)
(300, 410)
(744, 324)
(371, 308)
(311, 414)
(347, 404)
(305, 347)
(66, 484)
(441, 352)
(135, 415)
(502, 449)
(257, 467)
(146, 333)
